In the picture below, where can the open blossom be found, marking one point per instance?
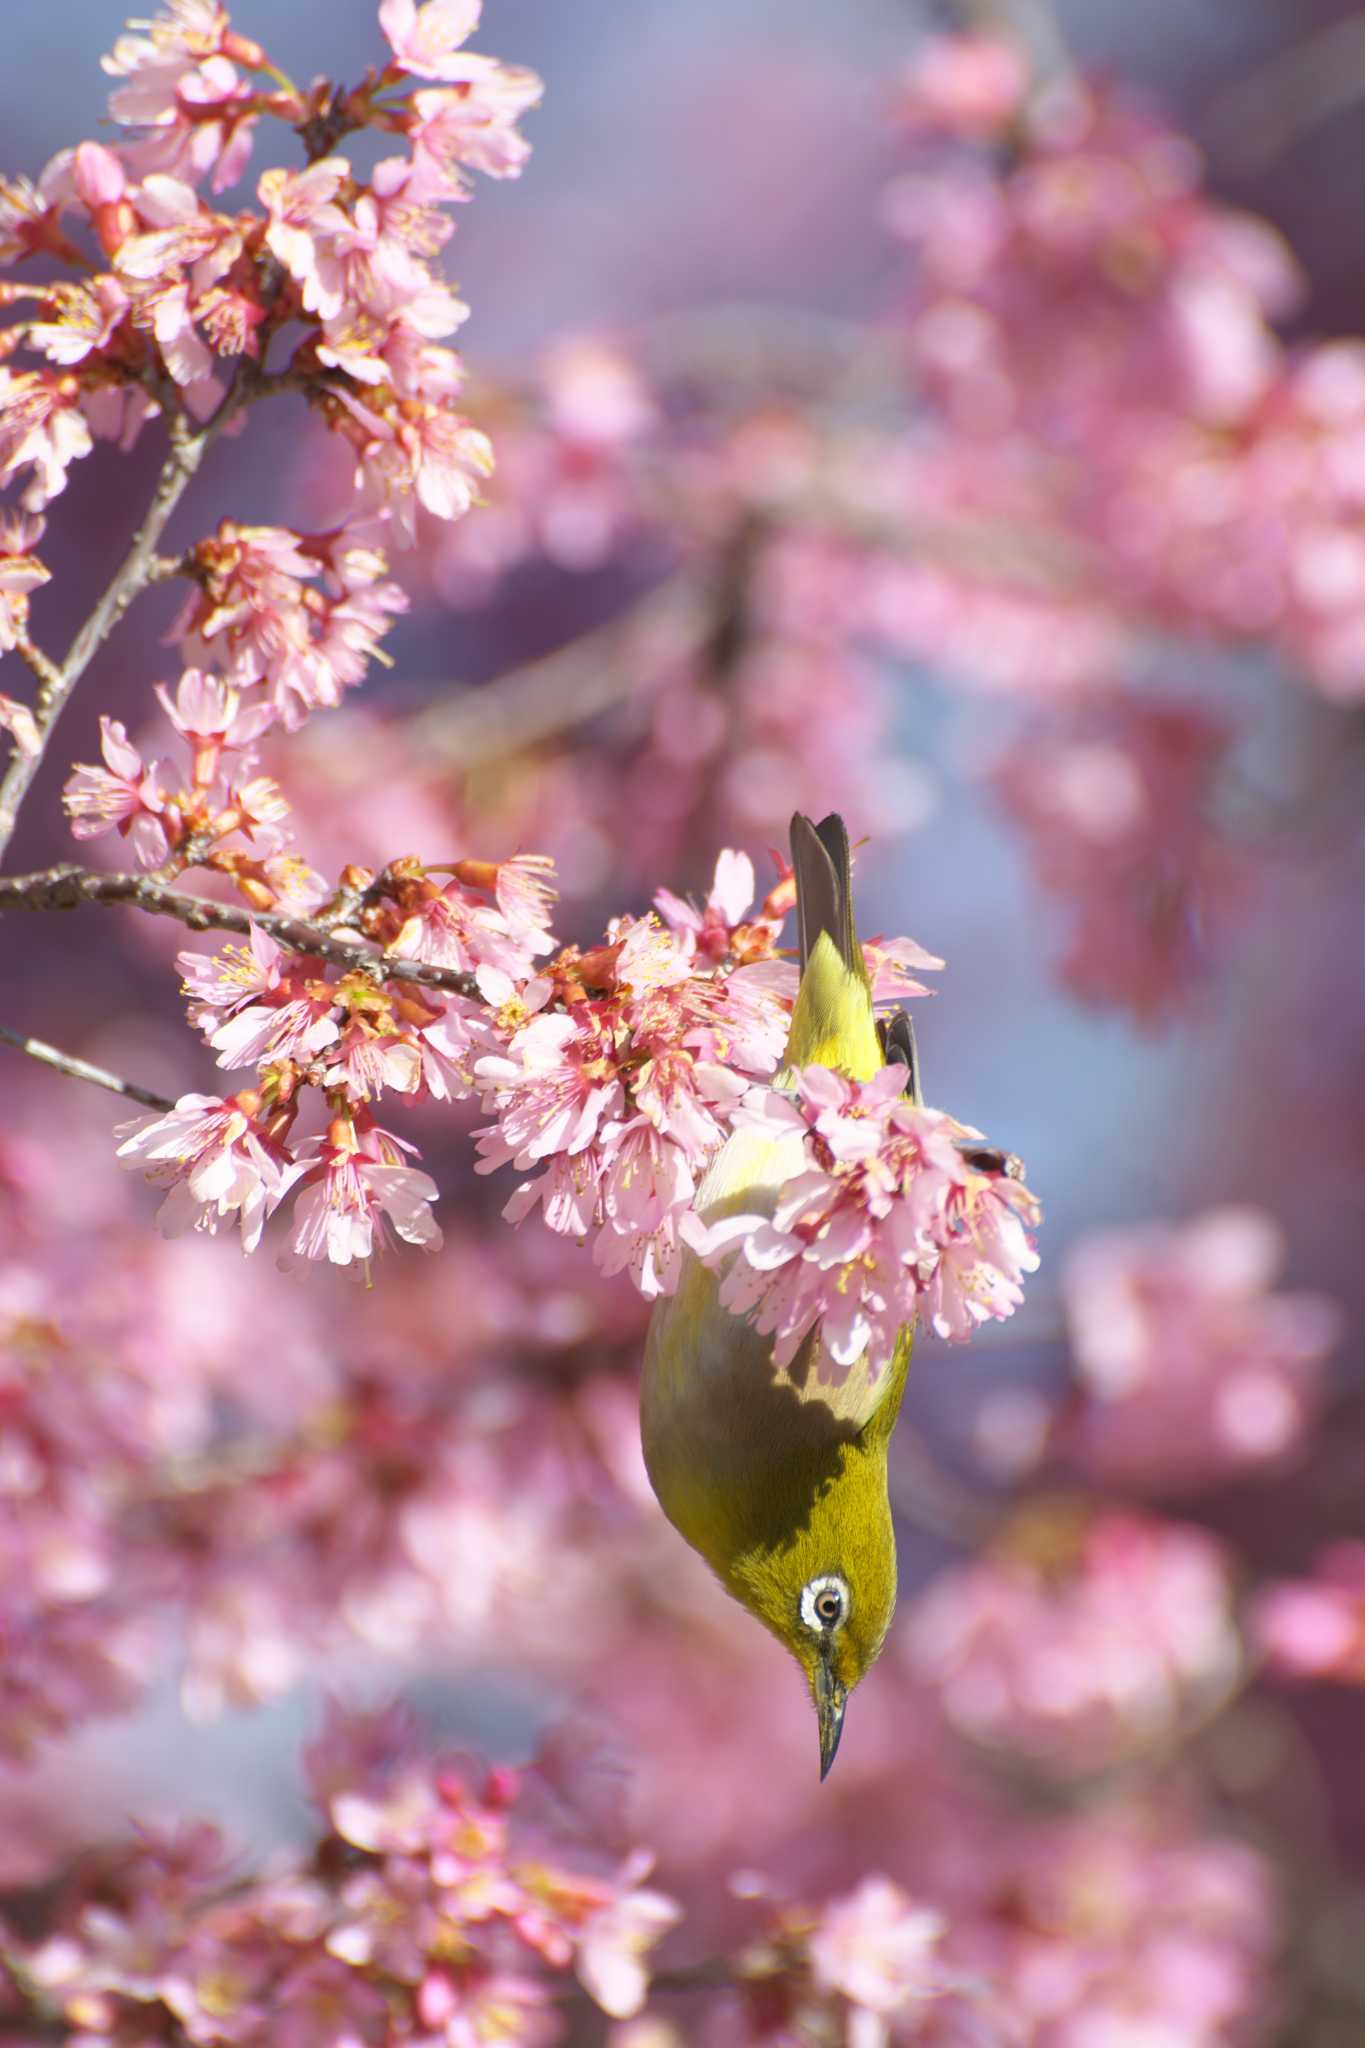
(473, 126)
(221, 1164)
(426, 38)
(259, 616)
(451, 926)
(43, 428)
(876, 1214)
(86, 318)
(209, 713)
(621, 1100)
(258, 1002)
(616, 1940)
(184, 88)
(728, 923)
(1315, 1627)
(355, 1189)
(1078, 1643)
(416, 453)
(125, 794)
(1191, 1365)
(880, 1951)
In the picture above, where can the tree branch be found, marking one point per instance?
(82, 1070)
(132, 575)
(46, 670)
(1255, 119)
(565, 688)
(66, 888)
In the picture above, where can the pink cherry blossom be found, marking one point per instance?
(874, 1211)
(880, 1950)
(473, 125)
(220, 1164)
(1073, 1664)
(257, 1003)
(355, 1189)
(257, 616)
(427, 38)
(616, 1940)
(183, 87)
(1315, 1627)
(87, 317)
(125, 794)
(43, 428)
(416, 453)
(709, 932)
(1192, 1367)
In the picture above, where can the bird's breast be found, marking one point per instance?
(724, 1428)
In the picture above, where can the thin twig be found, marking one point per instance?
(186, 453)
(42, 665)
(1257, 118)
(576, 682)
(82, 1070)
(66, 888)
(589, 675)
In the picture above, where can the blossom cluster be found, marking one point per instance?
(344, 1037)
(613, 1076)
(1191, 1365)
(170, 307)
(433, 1908)
(886, 1209)
(1073, 1661)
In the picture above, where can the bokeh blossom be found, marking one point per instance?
(1073, 1646)
(1192, 1366)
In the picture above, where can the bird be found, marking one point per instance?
(777, 1475)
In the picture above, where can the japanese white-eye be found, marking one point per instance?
(777, 1475)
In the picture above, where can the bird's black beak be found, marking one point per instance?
(830, 1700)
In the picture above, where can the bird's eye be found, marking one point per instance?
(824, 1603)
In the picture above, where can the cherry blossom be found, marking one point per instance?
(874, 1208)
(878, 1948)
(43, 428)
(1192, 1367)
(125, 794)
(1315, 1627)
(355, 1189)
(1072, 1660)
(257, 617)
(221, 1164)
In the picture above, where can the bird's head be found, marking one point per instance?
(828, 1594)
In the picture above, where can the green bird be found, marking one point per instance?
(776, 1475)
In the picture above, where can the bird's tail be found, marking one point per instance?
(832, 1023)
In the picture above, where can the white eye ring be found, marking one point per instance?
(825, 1604)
